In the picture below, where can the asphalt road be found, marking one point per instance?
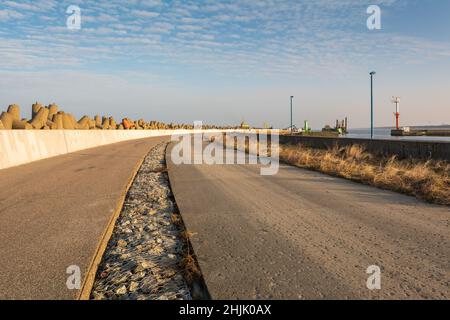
(53, 213)
(304, 235)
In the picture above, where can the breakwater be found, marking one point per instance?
(403, 149)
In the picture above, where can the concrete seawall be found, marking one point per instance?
(19, 147)
(401, 148)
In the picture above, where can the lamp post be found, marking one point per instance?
(292, 129)
(371, 103)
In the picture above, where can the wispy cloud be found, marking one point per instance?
(234, 37)
(9, 14)
(233, 41)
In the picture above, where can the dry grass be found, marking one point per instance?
(187, 235)
(426, 180)
(176, 220)
(189, 265)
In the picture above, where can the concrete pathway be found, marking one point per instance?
(305, 235)
(53, 213)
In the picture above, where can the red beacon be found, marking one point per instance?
(396, 101)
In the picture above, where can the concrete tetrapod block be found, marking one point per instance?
(112, 123)
(105, 123)
(98, 122)
(52, 110)
(14, 110)
(21, 125)
(52, 125)
(128, 124)
(40, 119)
(83, 123)
(68, 122)
(58, 121)
(7, 120)
(35, 109)
(138, 127)
(73, 120)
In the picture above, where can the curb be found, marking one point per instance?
(88, 283)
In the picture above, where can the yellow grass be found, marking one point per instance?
(192, 271)
(426, 180)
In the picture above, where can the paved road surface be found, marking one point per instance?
(53, 213)
(302, 235)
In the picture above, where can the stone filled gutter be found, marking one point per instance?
(146, 256)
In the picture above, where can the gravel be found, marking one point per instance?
(143, 257)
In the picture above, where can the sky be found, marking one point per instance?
(223, 62)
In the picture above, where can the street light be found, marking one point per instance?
(292, 129)
(371, 103)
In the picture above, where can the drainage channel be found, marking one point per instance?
(149, 255)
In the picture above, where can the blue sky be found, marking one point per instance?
(226, 61)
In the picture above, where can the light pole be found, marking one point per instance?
(292, 129)
(371, 103)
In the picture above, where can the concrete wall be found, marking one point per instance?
(18, 147)
(401, 148)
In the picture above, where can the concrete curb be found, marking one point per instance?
(88, 282)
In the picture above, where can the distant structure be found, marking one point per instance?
(396, 101)
(409, 132)
(341, 127)
(306, 127)
(245, 125)
(292, 129)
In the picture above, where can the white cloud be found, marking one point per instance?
(145, 14)
(266, 38)
(8, 14)
(189, 28)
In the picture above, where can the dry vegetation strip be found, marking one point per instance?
(426, 180)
